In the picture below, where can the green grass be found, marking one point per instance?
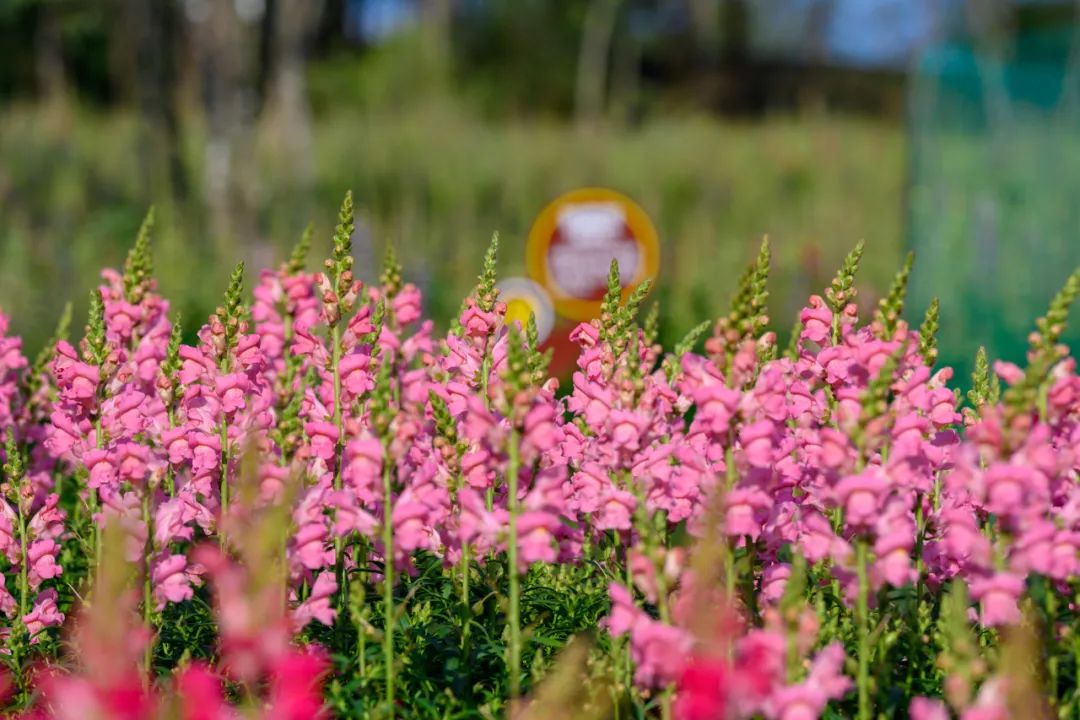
(437, 183)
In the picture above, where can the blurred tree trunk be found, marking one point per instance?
(705, 16)
(592, 69)
(153, 66)
(49, 55)
(288, 113)
(226, 48)
(435, 18)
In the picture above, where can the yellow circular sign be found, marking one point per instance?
(523, 297)
(573, 241)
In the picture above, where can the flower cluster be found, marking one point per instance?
(771, 534)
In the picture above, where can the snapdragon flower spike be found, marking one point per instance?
(285, 303)
(31, 530)
(747, 318)
(12, 363)
(836, 475)
(891, 307)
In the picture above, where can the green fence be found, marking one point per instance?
(994, 191)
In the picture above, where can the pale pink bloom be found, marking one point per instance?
(48, 521)
(172, 580)
(131, 460)
(101, 467)
(323, 437)
(816, 321)
(310, 546)
(536, 537)
(318, 605)
(411, 530)
(746, 509)
(922, 708)
(176, 442)
(585, 335)
(659, 652)
(627, 427)
(893, 564)
(998, 596)
(44, 614)
(862, 497)
(41, 557)
(617, 510)
(170, 522)
(406, 304)
(356, 376)
(8, 604)
(232, 390)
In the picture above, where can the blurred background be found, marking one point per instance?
(945, 126)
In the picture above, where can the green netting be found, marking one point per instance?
(994, 205)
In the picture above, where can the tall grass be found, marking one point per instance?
(436, 182)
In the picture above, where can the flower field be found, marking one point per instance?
(322, 508)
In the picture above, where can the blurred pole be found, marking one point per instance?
(436, 17)
(49, 55)
(990, 26)
(733, 39)
(224, 36)
(705, 17)
(288, 111)
(592, 70)
(155, 27)
(1069, 107)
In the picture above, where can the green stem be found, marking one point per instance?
(94, 498)
(466, 606)
(1076, 670)
(148, 618)
(335, 340)
(388, 579)
(730, 580)
(361, 630)
(224, 473)
(1051, 642)
(24, 593)
(170, 480)
(339, 543)
(628, 663)
(224, 490)
(512, 562)
(862, 613)
(665, 616)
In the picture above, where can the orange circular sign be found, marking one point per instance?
(573, 241)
